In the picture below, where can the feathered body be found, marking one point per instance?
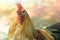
(22, 28)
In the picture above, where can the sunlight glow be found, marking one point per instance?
(11, 4)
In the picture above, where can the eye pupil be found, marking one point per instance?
(23, 11)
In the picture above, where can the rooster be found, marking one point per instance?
(22, 28)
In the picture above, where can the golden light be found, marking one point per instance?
(7, 12)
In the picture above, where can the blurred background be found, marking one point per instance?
(43, 13)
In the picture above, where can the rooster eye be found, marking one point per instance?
(23, 12)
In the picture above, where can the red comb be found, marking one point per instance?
(19, 8)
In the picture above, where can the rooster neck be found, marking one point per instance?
(27, 25)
